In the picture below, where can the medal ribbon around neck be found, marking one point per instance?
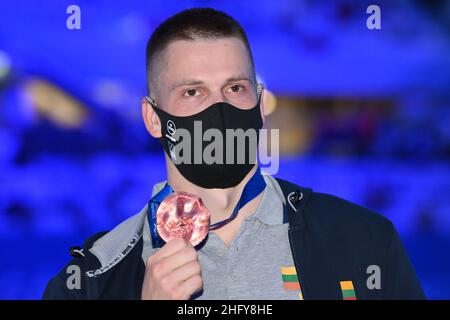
(252, 189)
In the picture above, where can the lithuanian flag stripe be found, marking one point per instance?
(291, 285)
(289, 277)
(290, 280)
(288, 270)
(348, 291)
(347, 285)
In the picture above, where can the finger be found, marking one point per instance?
(180, 258)
(191, 286)
(186, 271)
(169, 249)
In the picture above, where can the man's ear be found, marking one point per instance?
(151, 119)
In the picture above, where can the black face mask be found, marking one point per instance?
(220, 116)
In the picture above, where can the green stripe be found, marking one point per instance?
(289, 278)
(348, 293)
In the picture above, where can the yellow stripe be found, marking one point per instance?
(346, 285)
(300, 295)
(288, 270)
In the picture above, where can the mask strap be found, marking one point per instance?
(150, 100)
(259, 90)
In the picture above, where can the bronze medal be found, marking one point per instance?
(183, 215)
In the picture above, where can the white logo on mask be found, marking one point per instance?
(171, 128)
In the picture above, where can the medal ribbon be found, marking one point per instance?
(252, 189)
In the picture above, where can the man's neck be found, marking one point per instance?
(220, 202)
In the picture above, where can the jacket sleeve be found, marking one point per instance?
(61, 286)
(57, 290)
(401, 281)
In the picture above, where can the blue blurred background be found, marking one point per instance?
(364, 115)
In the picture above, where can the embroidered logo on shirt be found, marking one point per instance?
(348, 291)
(290, 280)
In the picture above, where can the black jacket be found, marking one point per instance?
(331, 239)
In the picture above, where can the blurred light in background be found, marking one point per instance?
(5, 65)
(54, 104)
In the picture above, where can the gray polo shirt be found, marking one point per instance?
(251, 268)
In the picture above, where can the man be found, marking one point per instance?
(268, 238)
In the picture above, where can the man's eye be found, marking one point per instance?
(191, 93)
(235, 88)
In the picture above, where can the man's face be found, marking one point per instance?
(192, 75)
(195, 74)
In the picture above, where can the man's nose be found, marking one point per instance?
(218, 97)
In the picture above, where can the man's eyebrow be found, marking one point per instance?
(195, 82)
(239, 78)
(187, 82)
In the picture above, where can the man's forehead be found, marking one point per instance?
(205, 60)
